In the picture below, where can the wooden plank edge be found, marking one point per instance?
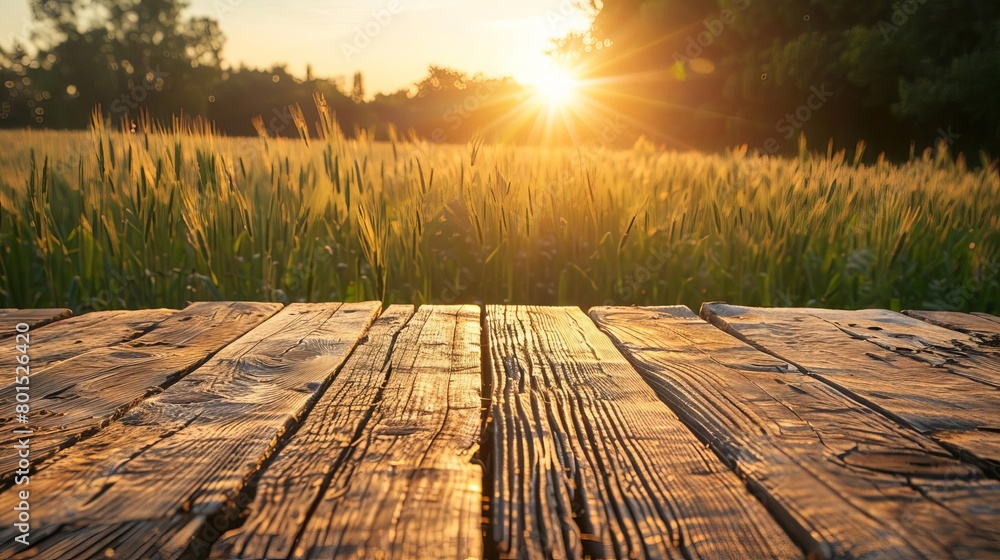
(987, 316)
(7, 480)
(787, 520)
(979, 326)
(782, 515)
(990, 468)
(202, 534)
(46, 316)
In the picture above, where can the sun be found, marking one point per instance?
(553, 85)
(558, 87)
(557, 103)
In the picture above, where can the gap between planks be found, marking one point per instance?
(384, 464)
(958, 407)
(149, 482)
(845, 480)
(189, 533)
(586, 460)
(77, 393)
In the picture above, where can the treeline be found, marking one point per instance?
(701, 74)
(144, 57)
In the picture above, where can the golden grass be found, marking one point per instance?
(106, 219)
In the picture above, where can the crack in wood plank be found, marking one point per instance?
(149, 483)
(588, 462)
(299, 475)
(410, 487)
(844, 480)
(984, 328)
(76, 396)
(960, 413)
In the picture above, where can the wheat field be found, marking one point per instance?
(117, 219)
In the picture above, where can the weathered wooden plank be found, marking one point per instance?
(983, 329)
(845, 480)
(988, 316)
(410, 488)
(587, 461)
(300, 474)
(958, 412)
(71, 337)
(34, 318)
(942, 348)
(155, 481)
(79, 395)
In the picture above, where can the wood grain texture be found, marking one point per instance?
(77, 396)
(987, 316)
(984, 330)
(957, 412)
(846, 481)
(35, 318)
(411, 486)
(300, 474)
(74, 336)
(587, 461)
(945, 349)
(152, 483)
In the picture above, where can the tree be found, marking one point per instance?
(358, 91)
(709, 73)
(134, 56)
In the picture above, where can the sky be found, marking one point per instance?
(392, 42)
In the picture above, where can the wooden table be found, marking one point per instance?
(252, 430)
